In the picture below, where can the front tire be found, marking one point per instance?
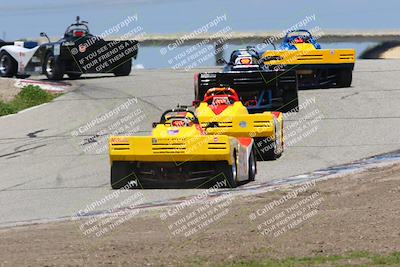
(8, 65)
(123, 69)
(53, 67)
(344, 78)
(121, 174)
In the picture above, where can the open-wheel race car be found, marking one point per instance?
(180, 153)
(315, 67)
(78, 52)
(259, 87)
(221, 112)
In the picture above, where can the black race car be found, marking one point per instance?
(259, 88)
(81, 52)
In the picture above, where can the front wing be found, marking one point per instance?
(246, 125)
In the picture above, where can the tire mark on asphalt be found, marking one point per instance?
(115, 98)
(139, 98)
(17, 151)
(347, 96)
(34, 134)
(10, 189)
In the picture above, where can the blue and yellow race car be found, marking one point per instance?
(315, 67)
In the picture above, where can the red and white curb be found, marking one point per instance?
(53, 87)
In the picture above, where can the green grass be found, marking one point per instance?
(28, 97)
(357, 259)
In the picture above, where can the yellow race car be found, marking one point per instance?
(225, 113)
(315, 67)
(179, 153)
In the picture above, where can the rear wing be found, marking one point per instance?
(258, 90)
(246, 125)
(281, 58)
(170, 149)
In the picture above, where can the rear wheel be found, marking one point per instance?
(123, 69)
(121, 174)
(230, 172)
(53, 67)
(8, 65)
(252, 166)
(344, 78)
(290, 101)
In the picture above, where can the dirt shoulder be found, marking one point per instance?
(8, 90)
(333, 217)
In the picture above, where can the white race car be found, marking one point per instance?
(19, 59)
(76, 53)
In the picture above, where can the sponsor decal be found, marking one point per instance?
(245, 61)
(82, 48)
(173, 132)
(57, 49)
(119, 140)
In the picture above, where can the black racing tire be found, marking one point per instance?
(8, 65)
(290, 101)
(230, 173)
(199, 95)
(53, 67)
(121, 174)
(269, 149)
(252, 166)
(196, 82)
(124, 69)
(22, 76)
(74, 76)
(196, 94)
(344, 78)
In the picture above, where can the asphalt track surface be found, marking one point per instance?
(47, 173)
